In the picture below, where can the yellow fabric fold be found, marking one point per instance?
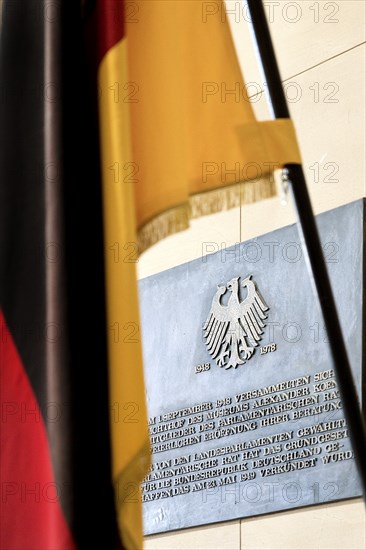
(130, 442)
(270, 144)
(193, 128)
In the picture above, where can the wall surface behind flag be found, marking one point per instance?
(321, 51)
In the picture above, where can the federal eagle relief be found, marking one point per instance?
(232, 331)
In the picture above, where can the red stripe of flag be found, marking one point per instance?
(111, 24)
(30, 499)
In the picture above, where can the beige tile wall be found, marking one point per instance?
(321, 53)
(225, 536)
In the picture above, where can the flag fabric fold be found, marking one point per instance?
(130, 443)
(31, 341)
(56, 482)
(193, 129)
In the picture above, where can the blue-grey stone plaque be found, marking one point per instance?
(245, 415)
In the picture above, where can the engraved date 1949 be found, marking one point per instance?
(268, 349)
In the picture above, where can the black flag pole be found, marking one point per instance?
(294, 174)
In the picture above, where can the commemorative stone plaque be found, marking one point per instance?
(245, 415)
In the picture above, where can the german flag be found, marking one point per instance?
(56, 479)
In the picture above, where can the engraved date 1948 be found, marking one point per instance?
(202, 368)
(268, 349)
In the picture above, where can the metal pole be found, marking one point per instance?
(312, 246)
